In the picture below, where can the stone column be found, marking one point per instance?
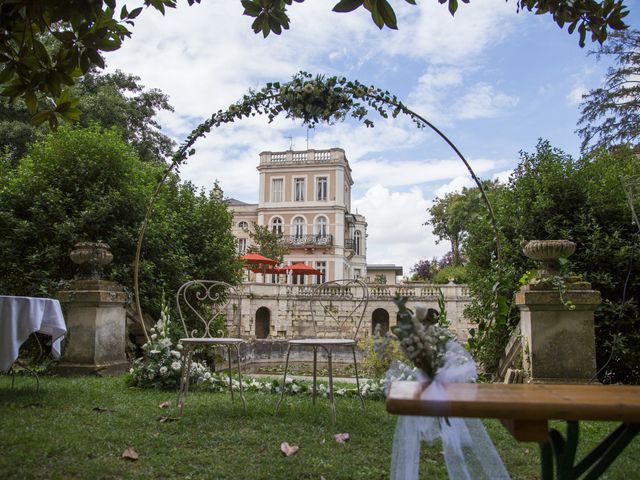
(96, 322)
(95, 314)
(558, 342)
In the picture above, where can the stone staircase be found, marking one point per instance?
(510, 365)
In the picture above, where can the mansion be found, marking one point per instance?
(306, 196)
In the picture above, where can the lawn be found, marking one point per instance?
(79, 428)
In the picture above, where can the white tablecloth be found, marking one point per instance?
(22, 316)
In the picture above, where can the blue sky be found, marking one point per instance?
(493, 80)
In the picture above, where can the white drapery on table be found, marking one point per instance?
(22, 316)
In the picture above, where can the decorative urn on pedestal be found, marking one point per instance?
(95, 314)
(91, 258)
(548, 253)
(556, 318)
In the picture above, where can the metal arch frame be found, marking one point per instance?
(328, 344)
(206, 293)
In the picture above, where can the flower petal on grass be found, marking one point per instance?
(102, 409)
(167, 419)
(166, 404)
(288, 450)
(342, 437)
(130, 454)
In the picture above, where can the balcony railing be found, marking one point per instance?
(312, 240)
(349, 244)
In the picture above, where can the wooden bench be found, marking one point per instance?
(525, 410)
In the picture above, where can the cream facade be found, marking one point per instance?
(306, 195)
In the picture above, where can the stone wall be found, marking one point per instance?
(285, 308)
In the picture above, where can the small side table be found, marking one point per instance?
(22, 316)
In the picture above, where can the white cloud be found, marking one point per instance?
(455, 185)
(445, 95)
(413, 172)
(396, 230)
(430, 32)
(502, 177)
(575, 95)
(482, 101)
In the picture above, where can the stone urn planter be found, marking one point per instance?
(548, 253)
(91, 257)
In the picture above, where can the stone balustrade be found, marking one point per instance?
(281, 311)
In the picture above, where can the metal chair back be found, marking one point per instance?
(205, 305)
(338, 307)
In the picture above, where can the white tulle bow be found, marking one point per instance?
(469, 453)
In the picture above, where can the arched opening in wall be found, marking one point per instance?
(380, 317)
(263, 322)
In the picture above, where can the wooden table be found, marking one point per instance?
(525, 410)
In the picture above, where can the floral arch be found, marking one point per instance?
(313, 100)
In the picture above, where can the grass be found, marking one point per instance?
(57, 434)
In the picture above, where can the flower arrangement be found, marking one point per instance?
(422, 339)
(161, 364)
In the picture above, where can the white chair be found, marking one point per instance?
(203, 305)
(337, 309)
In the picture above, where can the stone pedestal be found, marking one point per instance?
(559, 343)
(96, 322)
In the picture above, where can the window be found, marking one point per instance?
(276, 189)
(321, 189)
(276, 224)
(299, 227)
(357, 240)
(322, 268)
(321, 227)
(243, 225)
(242, 246)
(298, 189)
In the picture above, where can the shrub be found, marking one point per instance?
(379, 352)
(457, 272)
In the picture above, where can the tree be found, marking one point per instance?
(87, 184)
(118, 100)
(425, 269)
(450, 215)
(46, 44)
(268, 242)
(610, 115)
(552, 195)
(110, 100)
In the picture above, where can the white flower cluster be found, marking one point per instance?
(161, 365)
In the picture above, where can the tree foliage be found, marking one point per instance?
(110, 100)
(552, 195)
(45, 45)
(610, 115)
(267, 242)
(87, 184)
(450, 215)
(588, 16)
(425, 269)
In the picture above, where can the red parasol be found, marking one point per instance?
(251, 259)
(302, 269)
(269, 270)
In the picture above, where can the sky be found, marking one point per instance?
(493, 80)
